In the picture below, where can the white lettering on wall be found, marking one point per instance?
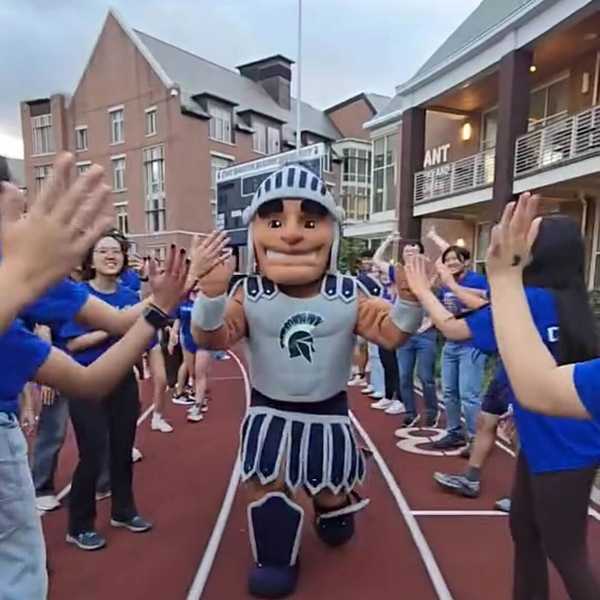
(436, 156)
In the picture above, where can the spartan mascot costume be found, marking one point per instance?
(299, 318)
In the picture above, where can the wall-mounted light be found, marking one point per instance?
(532, 69)
(460, 242)
(466, 131)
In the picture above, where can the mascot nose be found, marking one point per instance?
(292, 236)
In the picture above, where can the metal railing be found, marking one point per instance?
(570, 138)
(463, 175)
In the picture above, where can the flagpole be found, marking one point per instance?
(299, 78)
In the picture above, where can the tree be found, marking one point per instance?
(350, 251)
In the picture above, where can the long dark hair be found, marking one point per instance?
(558, 264)
(88, 264)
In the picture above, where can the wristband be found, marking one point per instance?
(407, 316)
(155, 317)
(208, 313)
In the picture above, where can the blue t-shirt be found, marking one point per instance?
(548, 443)
(587, 382)
(59, 305)
(131, 279)
(22, 353)
(184, 314)
(122, 298)
(469, 280)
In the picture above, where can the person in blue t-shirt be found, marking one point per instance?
(559, 456)
(463, 365)
(117, 413)
(196, 361)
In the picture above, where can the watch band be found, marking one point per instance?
(155, 317)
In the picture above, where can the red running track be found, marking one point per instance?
(181, 485)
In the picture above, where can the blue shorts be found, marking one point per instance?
(497, 398)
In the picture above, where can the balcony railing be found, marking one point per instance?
(577, 136)
(461, 176)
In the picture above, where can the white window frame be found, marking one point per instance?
(42, 133)
(119, 186)
(259, 137)
(81, 129)
(213, 180)
(353, 191)
(112, 122)
(151, 118)
(273, 140)
(41, 182)
(327, 167)
(154, 191)
(122, 217)
(545, 86)
(82, 166)
(478, 260)
(220, 128)
(385, 135)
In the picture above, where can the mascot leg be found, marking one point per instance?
(334, 520)
(275, 527)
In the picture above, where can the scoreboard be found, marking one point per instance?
(236, 185)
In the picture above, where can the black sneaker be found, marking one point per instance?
(432, 420)
(86, 540)
(136, 524)
(450, 441)
(183, 399)
(410, 420)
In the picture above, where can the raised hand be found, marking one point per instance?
(444, 273)
(207, 253)
(402, 284)
(46, 244)
(512, 238)
(169, 285)
(417, 274)
(216, 281)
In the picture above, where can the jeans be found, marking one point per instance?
(420, 350)
(22, 550)
(116, 414)
(377, 374)
(51, 432)
(462, 379)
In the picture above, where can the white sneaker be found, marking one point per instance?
(377, 396)
(136, 455)
(395, 408)
(47, 503)
(195, 414)
(159, 424)
(356, 381)
(367, 390)
(382, 404)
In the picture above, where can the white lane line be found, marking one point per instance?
(459, 513)
(67, 488)
(435, 574)
(199, 582)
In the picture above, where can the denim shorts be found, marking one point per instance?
(22, 550)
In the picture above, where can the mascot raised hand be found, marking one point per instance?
(299, 318)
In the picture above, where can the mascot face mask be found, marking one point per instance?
(294, 228)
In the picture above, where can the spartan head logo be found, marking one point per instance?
(296, 335)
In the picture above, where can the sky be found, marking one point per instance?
(349, 46)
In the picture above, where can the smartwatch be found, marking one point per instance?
(155, 317)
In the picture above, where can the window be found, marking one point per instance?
(216, 163)
(356, 182)
(122, 219)
(118, 165)
(274, 140)
(151, 121)
(489, 129)
(41, 176)
(43, 137)
(549, 103)
(117, 126)
(259, 139)
(82, 167)
(220, 123)
(483, 241)
(384, 173)
(159, 253)
(154, 188)
(81, 139)
(327, 159)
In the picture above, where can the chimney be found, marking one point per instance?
(274, 74)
